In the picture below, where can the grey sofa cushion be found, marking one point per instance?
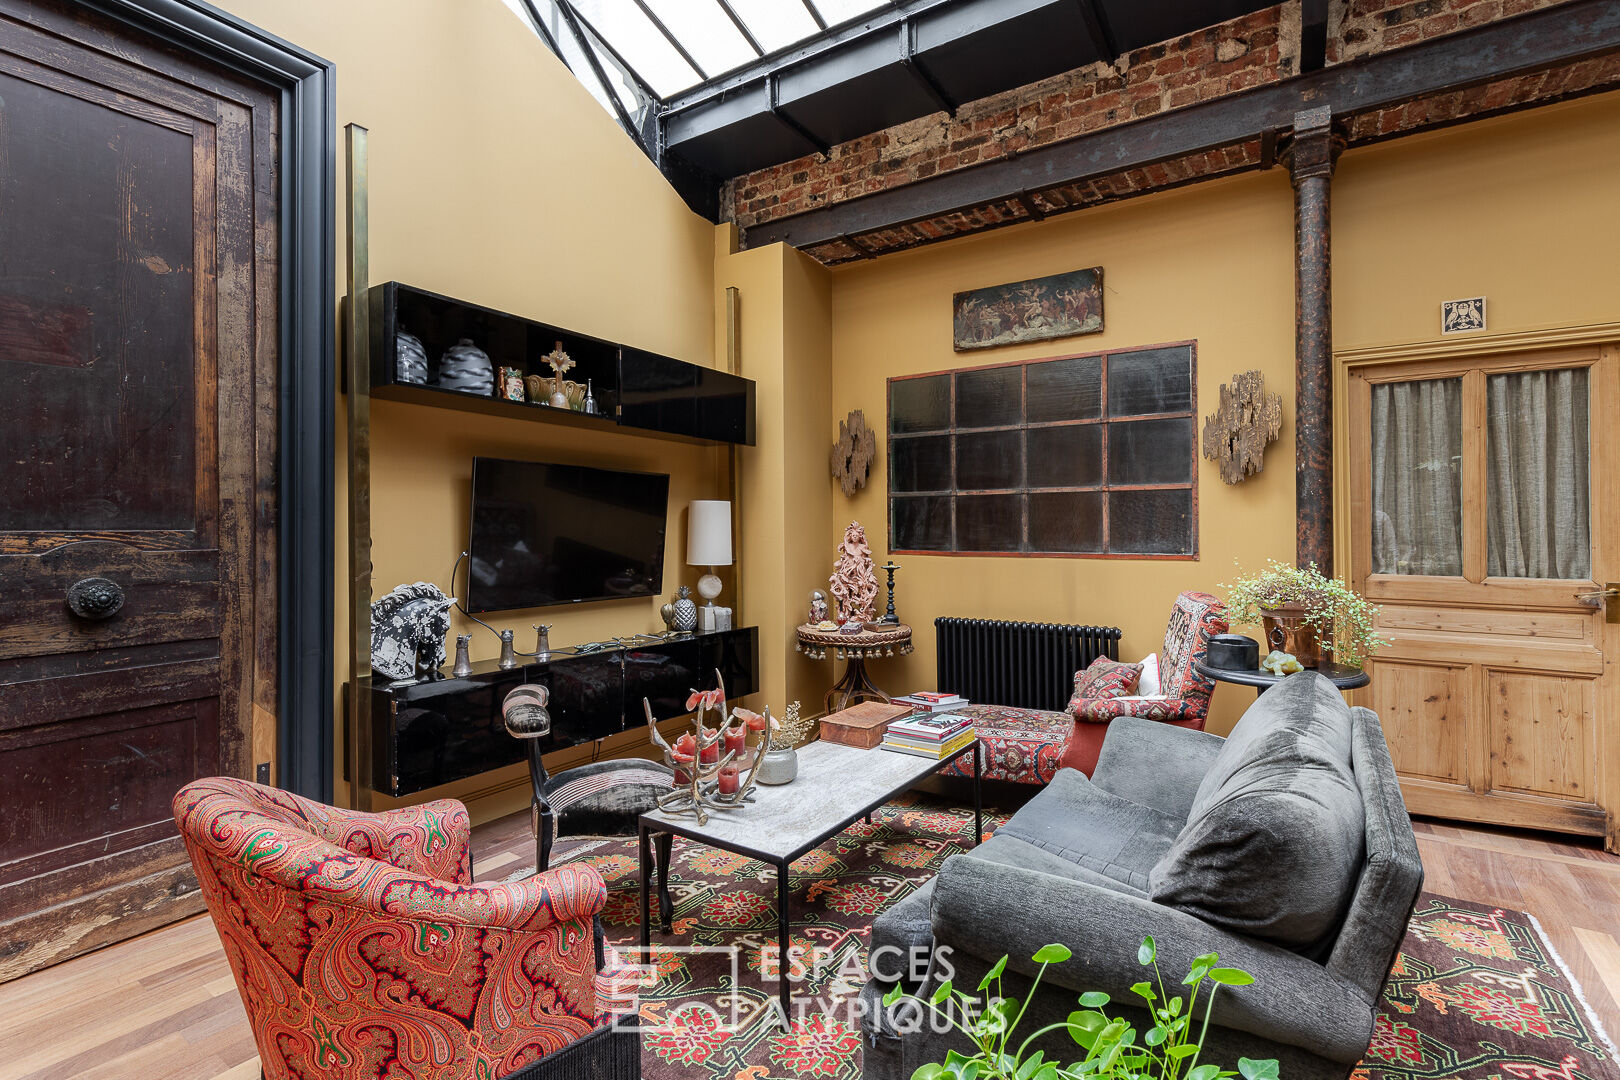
(1273, 845)
(1080, 822)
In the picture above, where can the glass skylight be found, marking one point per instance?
(668, 46)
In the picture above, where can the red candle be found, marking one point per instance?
(730, 780)
(686, 746)
(683, 778)
(736, 741)
(711, 753)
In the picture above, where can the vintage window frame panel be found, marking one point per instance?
(1103, 488)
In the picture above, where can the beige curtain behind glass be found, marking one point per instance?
(1538, 506)
(1417, 477)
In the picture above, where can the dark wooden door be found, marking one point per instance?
(137, 443)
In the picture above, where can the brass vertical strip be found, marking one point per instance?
(357, 386)
(734, 365)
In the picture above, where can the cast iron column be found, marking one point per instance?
(1310, 153)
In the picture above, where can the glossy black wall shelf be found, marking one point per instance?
(436, 731)
(634, 389)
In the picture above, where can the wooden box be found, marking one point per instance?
(861, 725)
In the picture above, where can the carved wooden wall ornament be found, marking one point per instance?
(852, 454)
(1236, 434)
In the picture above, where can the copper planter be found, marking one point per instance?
(1287, 630)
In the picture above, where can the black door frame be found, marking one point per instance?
(307, 376)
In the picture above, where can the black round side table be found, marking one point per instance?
(1340, 675)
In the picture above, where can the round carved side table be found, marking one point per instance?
(854, 649)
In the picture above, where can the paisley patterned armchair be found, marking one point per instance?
(362, 948)
(1184, 694)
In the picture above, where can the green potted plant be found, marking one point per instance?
(1304, 613)
(1114, 1049)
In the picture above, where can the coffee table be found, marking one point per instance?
(836, 786)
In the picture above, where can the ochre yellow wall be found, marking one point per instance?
(1524, 209)
(1211, 263)
(496, 178)
(784, 320)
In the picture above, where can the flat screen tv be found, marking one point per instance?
(546, 534)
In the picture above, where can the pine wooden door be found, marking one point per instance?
(137, 383)
(1484, 522)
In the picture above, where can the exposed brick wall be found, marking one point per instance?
(1363, 27)
(1236, 55)
(1254, 50)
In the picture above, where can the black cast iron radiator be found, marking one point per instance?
(1023, 664)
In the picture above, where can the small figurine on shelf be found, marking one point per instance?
(512, 384)
(508, 653)
(818, 607)
(561, 364)
(686, 617)
(463, 666)
(588, 406)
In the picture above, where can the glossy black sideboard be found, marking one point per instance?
(440, 730)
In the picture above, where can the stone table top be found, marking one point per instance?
(836, 785)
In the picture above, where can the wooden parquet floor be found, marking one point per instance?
(164, 1004)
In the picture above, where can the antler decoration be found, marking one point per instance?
(697, 781)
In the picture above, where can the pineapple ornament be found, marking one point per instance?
(685, 611)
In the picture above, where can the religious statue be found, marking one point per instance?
(854, 579)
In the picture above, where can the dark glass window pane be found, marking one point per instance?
(989, 523)
(1150, 522)
(1067, 456)
(1151, 381)
(989, 459)
(920, 404)
(1150, 452)
(922, 463)
(1066, 521)
(1065, 389)
(920, 523)
(990, 397)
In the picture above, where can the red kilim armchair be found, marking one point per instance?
(1184, 694)
(363, 949)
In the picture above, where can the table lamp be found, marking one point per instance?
(708, 543)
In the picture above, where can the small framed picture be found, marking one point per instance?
(1462, 316)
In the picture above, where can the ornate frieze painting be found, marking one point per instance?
(1039, 309)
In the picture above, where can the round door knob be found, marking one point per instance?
(95, 598)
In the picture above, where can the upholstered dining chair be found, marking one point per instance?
(1183, 698)
(362, 947)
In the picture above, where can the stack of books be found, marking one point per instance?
(931, 701)
(929, 734)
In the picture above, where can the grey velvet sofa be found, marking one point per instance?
(1286, 848)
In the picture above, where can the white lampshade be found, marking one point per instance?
(708, 533)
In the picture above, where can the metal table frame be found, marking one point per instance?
(1340, 675)
(663, 832)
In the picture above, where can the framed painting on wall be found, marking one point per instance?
(1039, 309)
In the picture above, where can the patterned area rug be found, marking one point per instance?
(1477, 993)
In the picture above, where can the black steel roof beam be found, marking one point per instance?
(815, 13)
(1313, 34)
(742, 27)
(635, 77)
(919, 71)
(1549, 37)
(772, 91)
(873, 22)
(1096, 26)
(539, 25)
(675, 42)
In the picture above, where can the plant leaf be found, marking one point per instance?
(942, 992)
(931, 1071)
(993, 973)
(893, 995)
(1230, 976)
(1027, 1069)
(1085, 1027)
(1262, 1069)
(1179, 1052)
(1147, 952)
(1155, 1035)
(1052, 954)
(1094, 999)
(1204, 1072)
(1144, 990)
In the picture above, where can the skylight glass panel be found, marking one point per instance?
(707, 33)
(776, 24)
(643, 47)
(838, 11)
